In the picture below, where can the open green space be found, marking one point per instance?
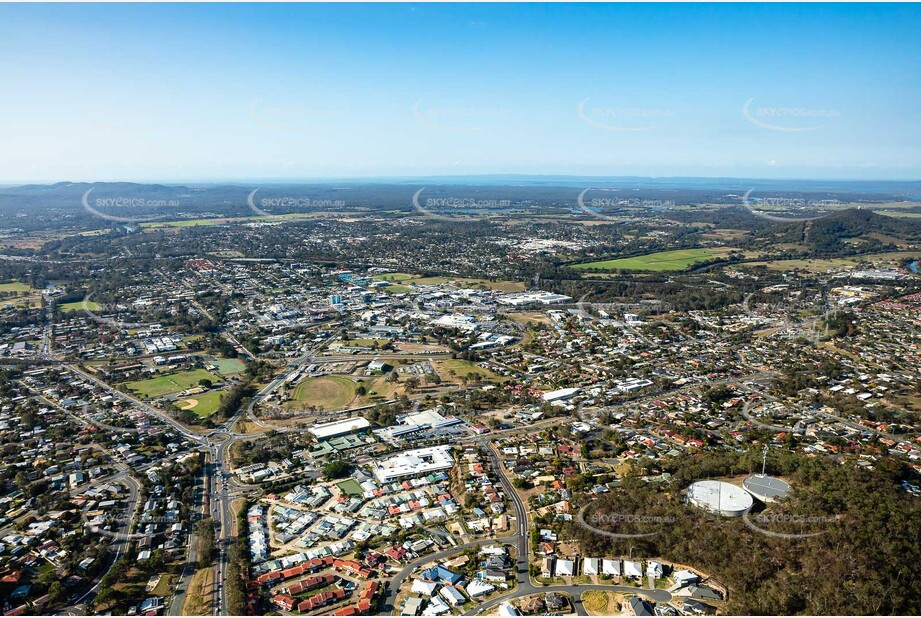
(818, 266)
(411, 280)
(18, 294)
(16, 286)
(453, 369)
(79, 305)
(350, 487)
(363, 342)
(162, 588)
(499, 286)
(909, 215)
(326, 392)
(678, 259)
(394, 277)
(202, 405)
(33, 302)
(170, 383)
(220, 220)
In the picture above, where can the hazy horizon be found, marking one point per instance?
(208, 93)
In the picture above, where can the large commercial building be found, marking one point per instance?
(418, 462)
(561, 395)
(533, 298)
(323, 431)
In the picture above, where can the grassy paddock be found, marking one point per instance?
(17, 286)
(678, 259)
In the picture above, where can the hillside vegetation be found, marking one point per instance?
(863, 562)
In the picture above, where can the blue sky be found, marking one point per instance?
(242, 92)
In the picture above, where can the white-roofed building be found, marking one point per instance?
(424, 588)
(332, 429)
(478, 588)
(565, 568)
(632, 568)
(561, 394)
(684, 577)
(417, 462)
(590, 566)
(610, 568)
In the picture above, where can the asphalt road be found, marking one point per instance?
(191, 563)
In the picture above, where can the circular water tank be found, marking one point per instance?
(766, 488)
(719, 497)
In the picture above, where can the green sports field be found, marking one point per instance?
(203, 405)
(230, 366)
(351, 487)
(170, 383)
(79, 305)
(394, 277)
(327, 392)
(678, 259)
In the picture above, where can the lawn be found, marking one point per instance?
(394, 277)
(219, 220)
(413, 280)
(31, 302)
(204, 404)
(499, 286)
(326, 392)
(18, 294)
(79, 305)
(678, 259)
(908, 215)
(814, 266)
(163, 586)
(170, 383)
(351, 487)
(16, 286)
(879, 260)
